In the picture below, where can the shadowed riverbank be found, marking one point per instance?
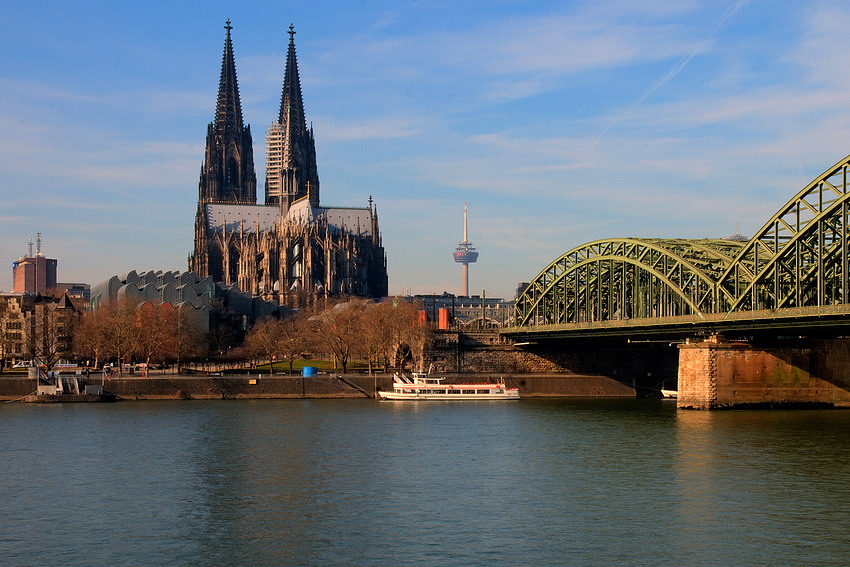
(263, 386)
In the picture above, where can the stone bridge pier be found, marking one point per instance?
(716, 373)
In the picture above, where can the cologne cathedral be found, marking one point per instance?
(290, 250)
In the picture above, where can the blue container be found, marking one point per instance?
(309, 372)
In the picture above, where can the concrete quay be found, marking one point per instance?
(323, 386)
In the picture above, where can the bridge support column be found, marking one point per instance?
(715, 374)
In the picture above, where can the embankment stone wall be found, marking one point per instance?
(260, 387)
(222, 387)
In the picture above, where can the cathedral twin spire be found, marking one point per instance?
(291, 172)
(228, 172)
(301, 252)
(228, 110)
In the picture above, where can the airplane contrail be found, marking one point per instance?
(677, 68)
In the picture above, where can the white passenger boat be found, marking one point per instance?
(422, 386)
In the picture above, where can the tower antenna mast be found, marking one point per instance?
(465, 254)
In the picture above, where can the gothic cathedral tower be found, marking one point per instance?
(291, 172)
(227, 175)
(289, 249)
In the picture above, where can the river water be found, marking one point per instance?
(360, 482)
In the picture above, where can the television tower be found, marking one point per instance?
(465, 255)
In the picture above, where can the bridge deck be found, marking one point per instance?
(801, 318)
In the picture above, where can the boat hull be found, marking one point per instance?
(69, 398)
(421, 386)
(415, 396)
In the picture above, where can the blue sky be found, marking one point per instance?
(558, 122)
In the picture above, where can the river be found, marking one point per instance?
(367, 483)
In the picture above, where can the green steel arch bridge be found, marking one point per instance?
(793, 274)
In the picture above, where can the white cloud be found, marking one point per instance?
(822, 49)
(381, 128)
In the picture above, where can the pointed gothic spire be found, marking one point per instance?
(291, 105)
(228, 111)
(227, 174)
(228, 171)
(291, 173)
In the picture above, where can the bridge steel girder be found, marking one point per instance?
(626, 278)
(799, 258)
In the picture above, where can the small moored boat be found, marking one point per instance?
(669, 393)
(422, 386)
(66, 389)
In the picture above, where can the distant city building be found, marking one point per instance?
(737, 237)
(35, 274)
(521, 287)
(290, 250)
(36, 328)
(465, 254)
(13, 326)
(449, 310)
(80, 292)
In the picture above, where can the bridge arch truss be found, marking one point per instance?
(625, 278)
(799, 258)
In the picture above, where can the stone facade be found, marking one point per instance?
(290, 250)
(14, 314)
(36, 327)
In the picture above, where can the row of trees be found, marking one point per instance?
(385, 335)
(382, 334)
(126, 330)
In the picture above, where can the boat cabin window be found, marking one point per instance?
(439, 391)
(483, 391)
(467, 391)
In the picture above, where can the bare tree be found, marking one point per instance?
(411, 330)
(340, 329)
(127, 328)
(264, 340)
(157, 325)
(401, 331)
(377, 334)
(294, 338)
(189, 338)
(121, 333)
(51, 331)
(90, 338)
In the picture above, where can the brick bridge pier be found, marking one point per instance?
(716, 373)
(709, 374)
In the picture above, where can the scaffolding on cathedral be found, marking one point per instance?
(290, 250)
